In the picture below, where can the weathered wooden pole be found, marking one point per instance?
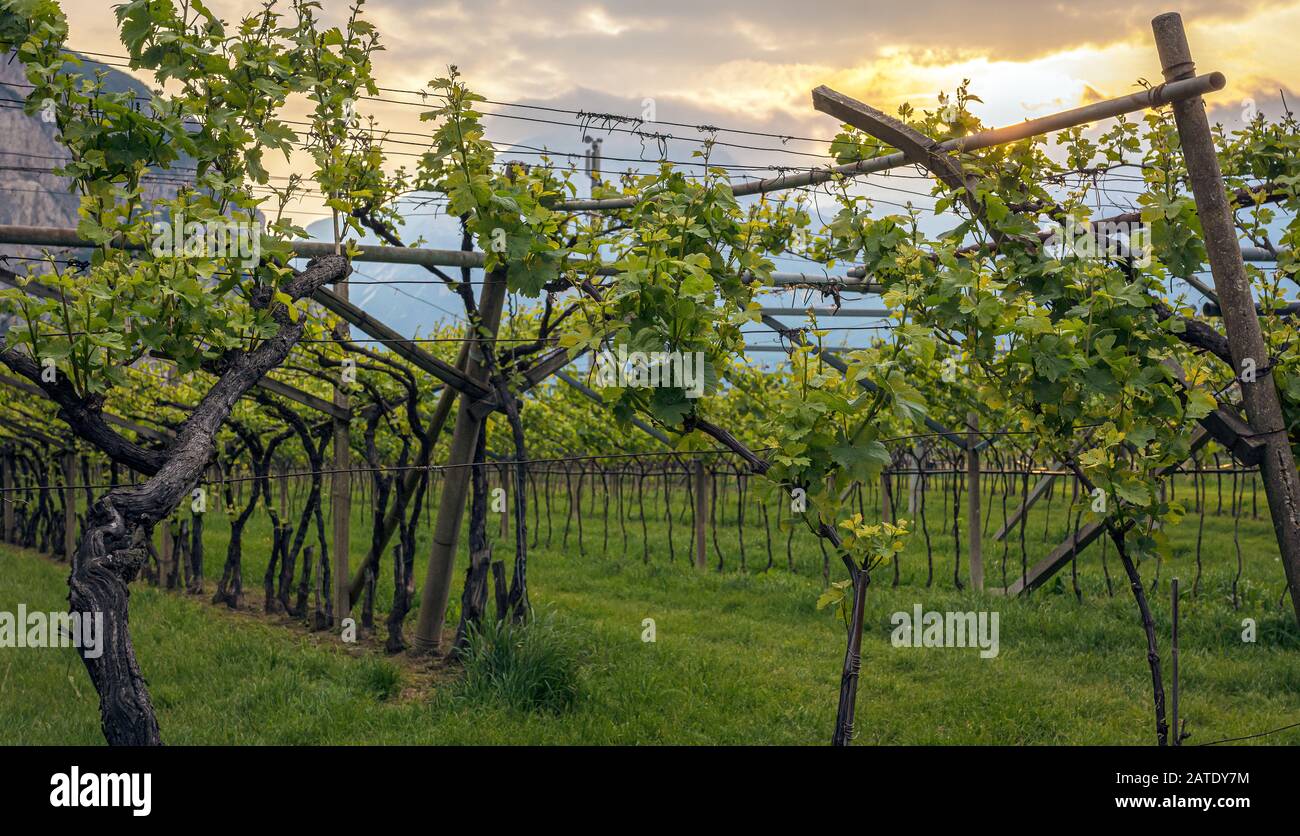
(701, 514)
(341, 512)
(1250, 358)
(973, 503)
(460, 459)
(1173, 664)
(69, 506)
(505, 508)
(8, 479)
(341, 484)
(166, 553)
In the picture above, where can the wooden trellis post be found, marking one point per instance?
(69, 506)
(701, 513)
(505, 509)
(341, 484)
(455, 489)
(166, 553)
(1251, 361)
(973, 503)
(8, 479)
(1173, 663)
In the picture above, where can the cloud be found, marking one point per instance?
(757, 60)
(751, 65)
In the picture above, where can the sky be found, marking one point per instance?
(755, 61)
(751, 65)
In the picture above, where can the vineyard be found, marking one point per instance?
(642, 484)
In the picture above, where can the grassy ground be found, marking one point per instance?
(740, 657)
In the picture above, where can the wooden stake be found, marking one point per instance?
(973, 503)
(505, 511)
(69, 506)
(341, 489)
(166, 553)
(1174, 665)
(8, 478)
(701, 514)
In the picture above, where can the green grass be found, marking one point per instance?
(739, 657)
(530, 666)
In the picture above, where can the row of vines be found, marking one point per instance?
(1097, 366)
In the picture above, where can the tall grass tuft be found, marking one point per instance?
(529, 667)
(381, 678)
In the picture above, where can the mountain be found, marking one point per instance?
(29, 149)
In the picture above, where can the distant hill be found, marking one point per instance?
(29, 149)
(408, 308)
(31, 195)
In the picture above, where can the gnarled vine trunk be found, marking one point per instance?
(112, 551)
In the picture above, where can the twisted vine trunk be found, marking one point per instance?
(311, 509)
(112, 551)
(473, 598)
(108, 558)
(1117, 534)
(230, 589)
(852, 663)
(517, 598)
(1148, 628)
(825, 533)
(404, 562)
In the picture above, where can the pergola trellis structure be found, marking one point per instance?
(1262, 434)
(1261, 441)
(33, 287)
(1222, 425)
